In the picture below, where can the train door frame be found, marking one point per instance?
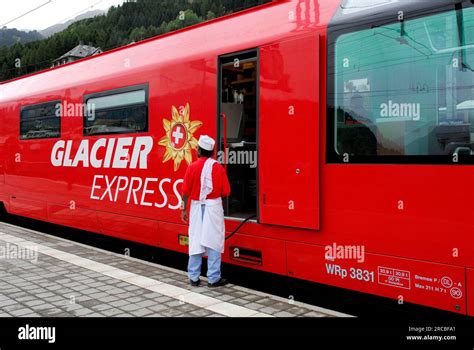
(249, 54)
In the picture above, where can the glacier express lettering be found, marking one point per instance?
(121, 153)
(149, 192)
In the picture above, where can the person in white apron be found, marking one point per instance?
(205, 184)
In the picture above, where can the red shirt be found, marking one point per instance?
(192, 181)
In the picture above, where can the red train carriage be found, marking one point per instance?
(363, 119)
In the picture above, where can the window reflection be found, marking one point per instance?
(407, 89)
(40, 122)
(117, 113)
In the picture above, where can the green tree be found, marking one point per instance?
(138, 34)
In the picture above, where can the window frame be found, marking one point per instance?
(145, 87)
(39, 105)
(339, 27)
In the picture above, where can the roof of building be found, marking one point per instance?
(81, 51)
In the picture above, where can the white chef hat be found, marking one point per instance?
(206, 143)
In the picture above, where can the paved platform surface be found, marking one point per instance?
(45, 276)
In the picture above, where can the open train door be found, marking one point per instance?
(289, 133)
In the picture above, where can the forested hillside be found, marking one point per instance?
(9, 37)
(132, 21)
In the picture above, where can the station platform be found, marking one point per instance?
(46, 276)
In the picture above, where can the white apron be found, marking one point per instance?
(207, 232)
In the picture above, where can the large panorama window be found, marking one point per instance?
(405, 90)
(123, 111)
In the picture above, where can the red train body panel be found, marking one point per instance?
(422, 254)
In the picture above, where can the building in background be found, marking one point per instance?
(80, 51)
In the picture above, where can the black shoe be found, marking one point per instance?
(221, 283)
(195, 283)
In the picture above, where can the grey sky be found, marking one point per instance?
(57, 11)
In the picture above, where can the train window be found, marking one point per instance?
(122, 111)
(42, 121)
(405, 90)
